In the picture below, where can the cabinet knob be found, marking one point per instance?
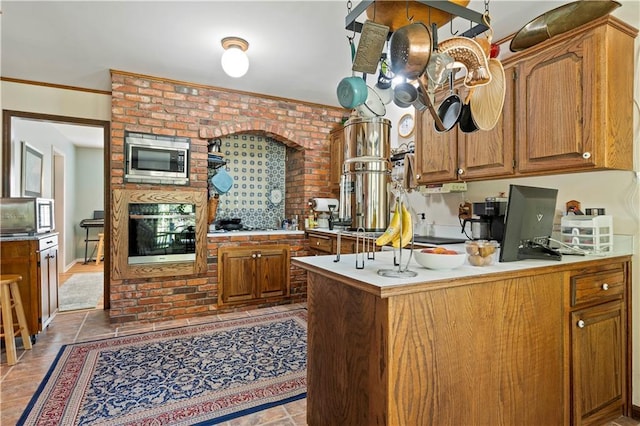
(259, 255)
(586, 155)
(317, 243)
(253, 255)
(418, 176)
(580, 324)
(605, 286)
(460, 171)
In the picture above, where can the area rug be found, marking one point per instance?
(81, 291)
(201, 374)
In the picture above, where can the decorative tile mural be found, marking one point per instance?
(257, 165)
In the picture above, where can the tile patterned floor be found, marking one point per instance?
(19, 382)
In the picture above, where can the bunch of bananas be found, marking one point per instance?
(392, 234)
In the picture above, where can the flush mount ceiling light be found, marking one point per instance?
(235, 61)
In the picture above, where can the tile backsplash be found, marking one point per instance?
(257, 165)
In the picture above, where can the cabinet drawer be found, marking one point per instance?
(597, 287)
(47, 242)
(320, 243)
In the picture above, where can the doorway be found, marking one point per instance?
(60, 180)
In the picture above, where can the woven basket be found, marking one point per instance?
(488, 100)
(468, 52)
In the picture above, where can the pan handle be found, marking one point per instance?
(436, 118)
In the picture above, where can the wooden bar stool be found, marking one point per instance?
(10, 299)
(100, 248)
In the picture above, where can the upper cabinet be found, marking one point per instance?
(455, 155)
(574, 102)
(568, 107)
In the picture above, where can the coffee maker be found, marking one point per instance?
(488, 221)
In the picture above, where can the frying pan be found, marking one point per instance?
(450, 108)
(465, 122)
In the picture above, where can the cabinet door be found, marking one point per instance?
(337, 156)
(598, 358)
(483, 154)
(273, 272)
(53, 280)
(237, 277)
(435, 152)
(555, 108)
(21, 257)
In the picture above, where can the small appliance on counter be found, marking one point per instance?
(488, 220)
(26, 215)
(326, 208)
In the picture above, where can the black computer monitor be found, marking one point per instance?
(529, 224)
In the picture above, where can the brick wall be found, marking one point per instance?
(165, 107)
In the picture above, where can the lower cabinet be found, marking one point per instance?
(599, 364)
(247, 274)
(321, 243)
(36, 260)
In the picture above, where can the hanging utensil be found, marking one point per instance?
(410, 50)
(465, 121)
(352, 91)
(449, 109)
(488, 100)
(438, 69)
(370, 47)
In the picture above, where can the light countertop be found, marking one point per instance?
(346, 266)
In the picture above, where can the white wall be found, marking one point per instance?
(89, 193)
(61, 102)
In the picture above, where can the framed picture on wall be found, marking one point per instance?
(31, 171)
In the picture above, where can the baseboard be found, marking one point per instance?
(69, 266)
(635, 412)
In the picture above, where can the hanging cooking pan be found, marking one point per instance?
(404, 94)
(409, 52)
(465, 121)
(352, 91)
(449, 109)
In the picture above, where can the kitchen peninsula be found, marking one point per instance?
(531, 342)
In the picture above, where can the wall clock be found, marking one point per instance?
(406, 125)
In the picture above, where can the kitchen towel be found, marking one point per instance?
(409, 180)
(222, 181)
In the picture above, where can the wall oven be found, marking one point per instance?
(156, 159)
(162, 232)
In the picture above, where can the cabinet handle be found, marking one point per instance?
(259, 255)
(253, 255)
(586, 155)
(605, 286)
(580, 324)
(460, 171)
(317, 243)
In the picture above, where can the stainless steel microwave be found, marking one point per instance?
(156, 159)
(26, 215)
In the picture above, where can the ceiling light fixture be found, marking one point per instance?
(235, 61)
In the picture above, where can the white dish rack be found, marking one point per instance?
(593, 234)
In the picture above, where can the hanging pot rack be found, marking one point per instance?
(453, 9)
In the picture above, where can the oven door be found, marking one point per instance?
(156, 237)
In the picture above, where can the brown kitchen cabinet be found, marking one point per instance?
(455, 155)
(336, 146)
(322, 243)
(36, 260)
(568, 108)
(514, 341)
(247, 274)
(574, 101)
(599, 361)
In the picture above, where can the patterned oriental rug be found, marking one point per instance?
(201, 374)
